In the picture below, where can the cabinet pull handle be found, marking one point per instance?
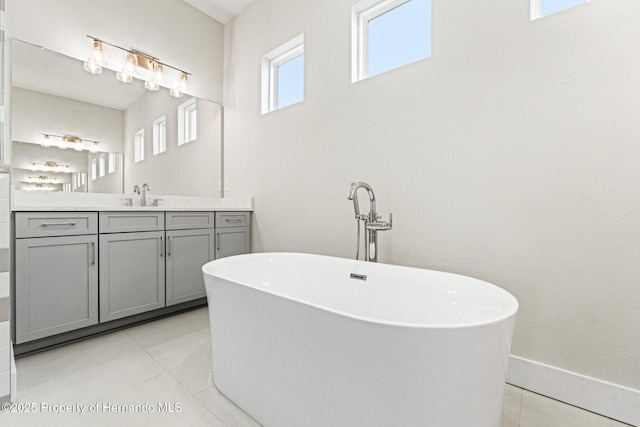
(218, 242)
(233, 220)
(161, 246)
(47, 224)
(93, 253)
(169, 246)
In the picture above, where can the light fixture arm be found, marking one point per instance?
(70, 138)
(149, 58)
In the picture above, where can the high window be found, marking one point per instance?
(388, 34)
(283, 75)
(138, 154)
(112, 162)
(540, 8)
(160, 135)
(101, 165)
(187, 123)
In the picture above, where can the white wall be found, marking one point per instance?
(511, 155)
(192, 169)
(35, 113)
(170, 30)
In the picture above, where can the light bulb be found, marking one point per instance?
(96, 59)
(131, 64)
(97, 53)
(176, 92)
(129, 70)
(91, 66)
(158, 74)
(184, 81)
(151, 85)
(124, 77)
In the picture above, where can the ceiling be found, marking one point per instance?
(220, 10)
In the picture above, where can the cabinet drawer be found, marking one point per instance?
(124, 222)
(50, 224)
(189, 220)
(232, 219)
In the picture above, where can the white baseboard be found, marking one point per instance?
(604, 398)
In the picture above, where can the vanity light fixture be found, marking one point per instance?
(154, 75)
(70, 141)
(50, 166)
(43, 179)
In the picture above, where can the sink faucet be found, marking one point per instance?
(143, 197)
(372, 223)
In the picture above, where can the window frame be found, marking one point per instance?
(94, 169)
(536, 9)
(270, 63)
(138, 146)
(102, 163)
(159, 135)
(361, 14)
(186, 123)
(112, 163)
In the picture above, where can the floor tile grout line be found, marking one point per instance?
(573, 406)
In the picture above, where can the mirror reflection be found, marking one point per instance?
(73, 131)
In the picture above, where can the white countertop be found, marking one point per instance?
(22, 200)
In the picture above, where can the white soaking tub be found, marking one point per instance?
(304, 340)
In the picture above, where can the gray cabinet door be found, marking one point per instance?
(131, 273)
(232, 241)
(56, 285)
(187, 252)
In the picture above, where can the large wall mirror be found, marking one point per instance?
(73, 131)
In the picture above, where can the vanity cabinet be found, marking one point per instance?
(79, 270)
(132, 263)
(58, 276)
(190, 245)
(233, 234)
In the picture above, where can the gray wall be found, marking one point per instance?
(510, 155)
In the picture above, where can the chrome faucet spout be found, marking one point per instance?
(355, 186)
(143, 196)
(372, 221)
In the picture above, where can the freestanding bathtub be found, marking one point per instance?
(305, 340)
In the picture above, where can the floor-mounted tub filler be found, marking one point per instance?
(305, 340)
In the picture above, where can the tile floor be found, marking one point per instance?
(166, 364)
